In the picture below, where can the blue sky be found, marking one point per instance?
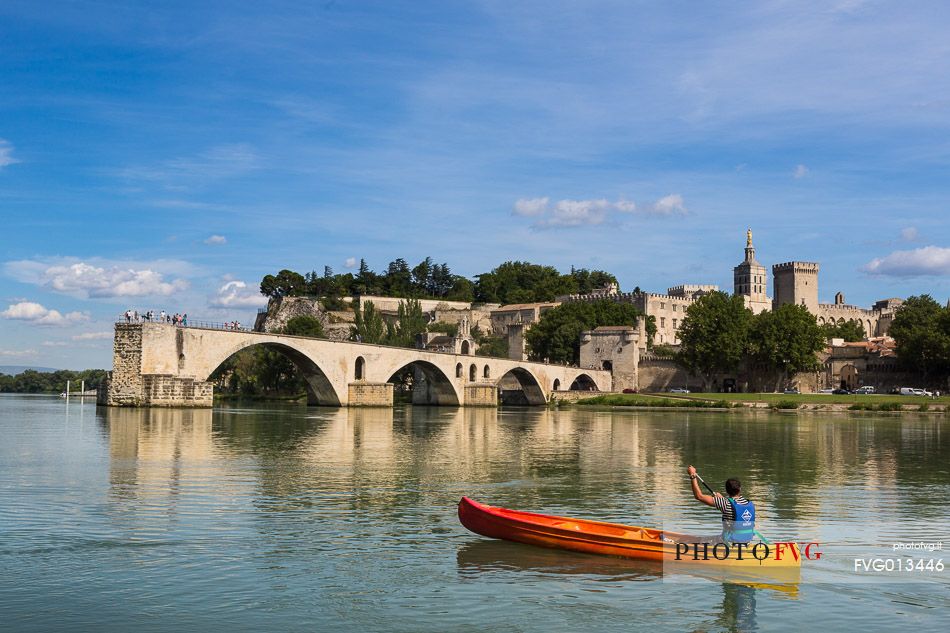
(167, 155)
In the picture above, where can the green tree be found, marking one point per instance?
(422, 276)
(851, 331)
(522, 282)
(304, 325)
(714, 336)
(556, 335)
(286, 283)
(366, 281)
(369, 326)
(785, 341)
(921, 331)
(462, 289)
(410, 322)
(398, 279)
(588, 280)
(489, 345)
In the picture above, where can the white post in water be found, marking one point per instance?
(67, 390)
(82, 389)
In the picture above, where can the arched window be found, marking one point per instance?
(486, 373)
(458, 370)
(472, 373)
(360, 368)
(465, 348)
(557, 384)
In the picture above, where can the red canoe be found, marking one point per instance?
(612, 539)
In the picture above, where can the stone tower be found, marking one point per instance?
(750, 279)
(796, 282)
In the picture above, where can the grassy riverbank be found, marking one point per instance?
(784, 402)
(812, 398)
(635, 400)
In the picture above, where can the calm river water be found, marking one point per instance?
(299, 519)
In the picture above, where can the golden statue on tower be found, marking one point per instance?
(748, 237)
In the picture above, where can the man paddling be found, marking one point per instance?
(738, 513)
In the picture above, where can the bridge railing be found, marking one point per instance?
(233, 326)
(203, 324)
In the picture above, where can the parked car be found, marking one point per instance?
(792, 391)
(679, 390)
(629, 390)
(827, 391)
(841, 392)
(913, 391)
(865, 390)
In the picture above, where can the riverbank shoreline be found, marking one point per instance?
(664, 402)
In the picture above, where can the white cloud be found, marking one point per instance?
(529, 207)
(929, 260)
(216, 239)
(571, 213)
(576, 213)
(669, 205)
(625, 206)
(84, 280)
(54, 344)
(235, 294)
(93, 336)
(17, 353)
(910, 234)
(6, 154)
(350, 262)
(33, 312)
(800, 172)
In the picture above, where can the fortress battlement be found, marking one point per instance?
(798, 267)
(844, 307)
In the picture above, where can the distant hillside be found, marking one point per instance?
(13, 370)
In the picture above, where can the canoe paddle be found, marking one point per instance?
(703, 481)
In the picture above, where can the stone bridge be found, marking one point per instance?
(157, 364)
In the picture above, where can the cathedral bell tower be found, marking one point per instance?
(750, 281)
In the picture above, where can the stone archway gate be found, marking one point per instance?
(157, 364)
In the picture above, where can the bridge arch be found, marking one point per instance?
(583, 382)
(520, 380)
(429, 383)
(320, 389)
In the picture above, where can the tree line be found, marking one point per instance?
(921, 331)
(719, 335)
(32, 381)
(511, 282)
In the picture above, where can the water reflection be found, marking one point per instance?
(162, 438)
(737, 610)
(602, 464)
(492, 556)
(283, 517)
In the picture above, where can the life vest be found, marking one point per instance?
(742, 530)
